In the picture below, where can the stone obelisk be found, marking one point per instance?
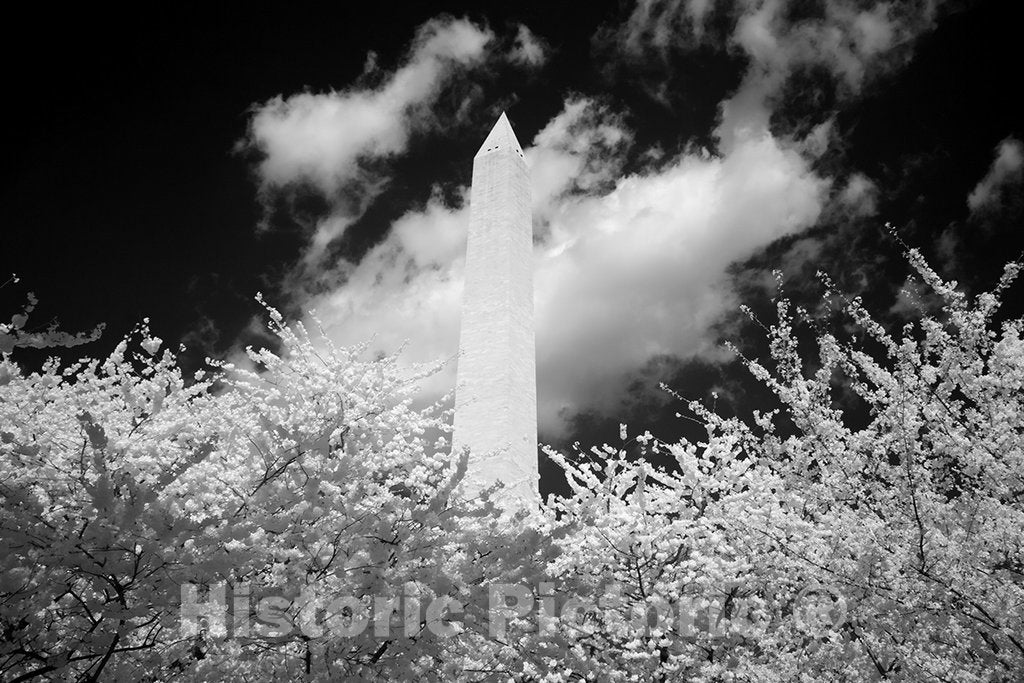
(496, 387)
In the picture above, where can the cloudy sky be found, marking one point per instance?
(172, 166)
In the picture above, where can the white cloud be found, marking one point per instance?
(860, 196)
(845, 35)
(324, 139)
(321, 137)
(662, 24)
(852, 41)
(408, 288)
(854, 44)
(528, 49)
(639, 272)
(1005, 170)
(579, 150)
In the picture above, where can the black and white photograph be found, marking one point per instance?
(534, 342)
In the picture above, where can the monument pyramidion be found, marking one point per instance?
(496, 385)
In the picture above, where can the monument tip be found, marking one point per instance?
(501, 137)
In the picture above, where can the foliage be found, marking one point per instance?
(122, 483)
(908, 533)
(799, 547)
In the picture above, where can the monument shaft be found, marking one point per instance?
(496, 389)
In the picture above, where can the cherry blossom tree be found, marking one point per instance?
(126, 486)
(297, 516)
(800, 547)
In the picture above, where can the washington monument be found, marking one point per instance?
(496, 386)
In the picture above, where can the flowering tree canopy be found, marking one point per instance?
(301, 518)
(889, 551)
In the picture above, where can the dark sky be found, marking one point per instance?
(130, 190)
(123, 196)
